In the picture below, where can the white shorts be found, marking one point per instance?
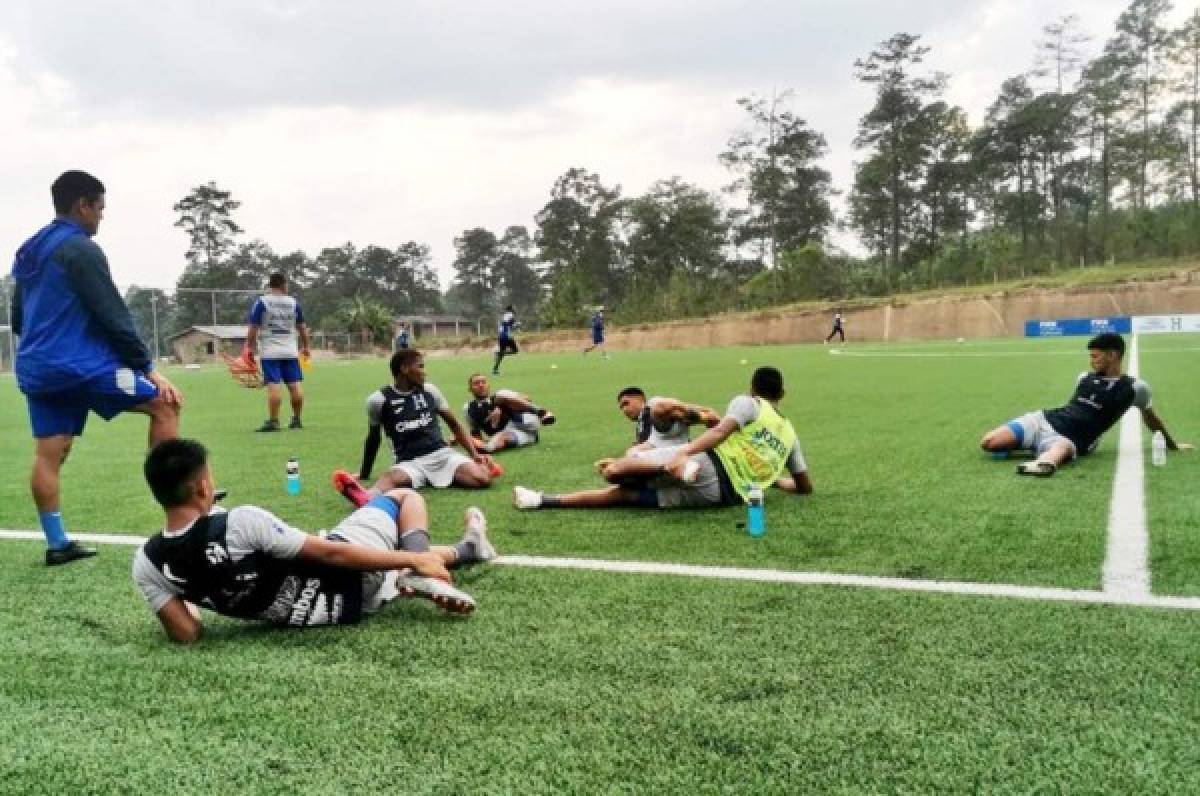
(433, 469)
(374, 528)
(672, 494)
(1035, 433)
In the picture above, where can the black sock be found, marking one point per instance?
(551, 502)
(415, 541)
(499, 357)
(468, 554)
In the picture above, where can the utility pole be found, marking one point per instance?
(154, 316)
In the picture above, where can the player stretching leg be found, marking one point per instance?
(79, 351)
(408, 411)
(506, 419)
(1102, 395)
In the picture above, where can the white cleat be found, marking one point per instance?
(477, 534)
(524, 498)
(439, 592)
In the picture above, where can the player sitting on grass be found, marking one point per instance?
(752, 445)
(407, 411)
(661, 422)
(1101, 397)
(506, 419)
(249, 564)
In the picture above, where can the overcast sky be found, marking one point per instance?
(382, 122)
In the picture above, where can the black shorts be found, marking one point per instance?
(506, 345)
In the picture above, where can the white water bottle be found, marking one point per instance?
(1158, 449)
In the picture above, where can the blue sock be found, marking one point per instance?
(52, 526)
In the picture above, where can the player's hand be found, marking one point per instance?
(709, 418)
(431, 566)
(168, 391)
(306, 353)
(495, 416)
(675, 467)
(1184, 446)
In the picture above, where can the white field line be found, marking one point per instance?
(779, 576)
(886, 354)
(1126, 570)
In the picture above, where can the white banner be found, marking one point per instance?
(1166, 324)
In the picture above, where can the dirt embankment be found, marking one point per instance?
(999, 315)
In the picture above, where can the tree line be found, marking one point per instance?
(1089, 156)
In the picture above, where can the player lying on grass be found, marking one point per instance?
(249, 564)
(660, 422)
(1101, 397)
(752, 445)
(407, 411)
(505, 419)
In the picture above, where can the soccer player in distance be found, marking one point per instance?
(1102, 395)
(837, 329)
(79, 351)
(275, 321)
(249, 564)
(506, 343)
(598, 334)
(752, 445)
(407, 412)
(505, 419)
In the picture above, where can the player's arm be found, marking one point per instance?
(711, 438)
(797, 481)
(89, 277)
(181, 621)
(14, 309)
(344, 555)
(253, 324)
(302, 330)
(251, 341)
(370, 450)
(665, 411)
(1155, 423)
(460, 434)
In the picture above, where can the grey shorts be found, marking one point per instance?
(672, 494)
(374, 528)
(1036, 434)
(517, 438)
(433, 469)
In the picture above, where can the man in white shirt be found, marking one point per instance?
(275, 321)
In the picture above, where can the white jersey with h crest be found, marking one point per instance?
(276, 316)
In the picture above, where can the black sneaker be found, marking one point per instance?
(270, 425)
(295, 424)
(65, 555)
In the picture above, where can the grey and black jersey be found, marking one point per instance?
(479, 411)
(1097, 404)
(659, 436)
(409, 419)
(206, 566)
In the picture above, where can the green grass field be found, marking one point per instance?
(583, 682)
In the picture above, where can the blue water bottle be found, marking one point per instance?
(293, 476)
(756, 520)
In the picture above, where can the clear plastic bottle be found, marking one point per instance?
(756, 518)
(1158, 449)
(293, 476)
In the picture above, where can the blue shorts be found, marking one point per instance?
(65, 413)
(286, 371)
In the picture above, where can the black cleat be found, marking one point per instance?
(270, 425)
(1039, 469)
(295, 424)
(219, 495)
(65, 555)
